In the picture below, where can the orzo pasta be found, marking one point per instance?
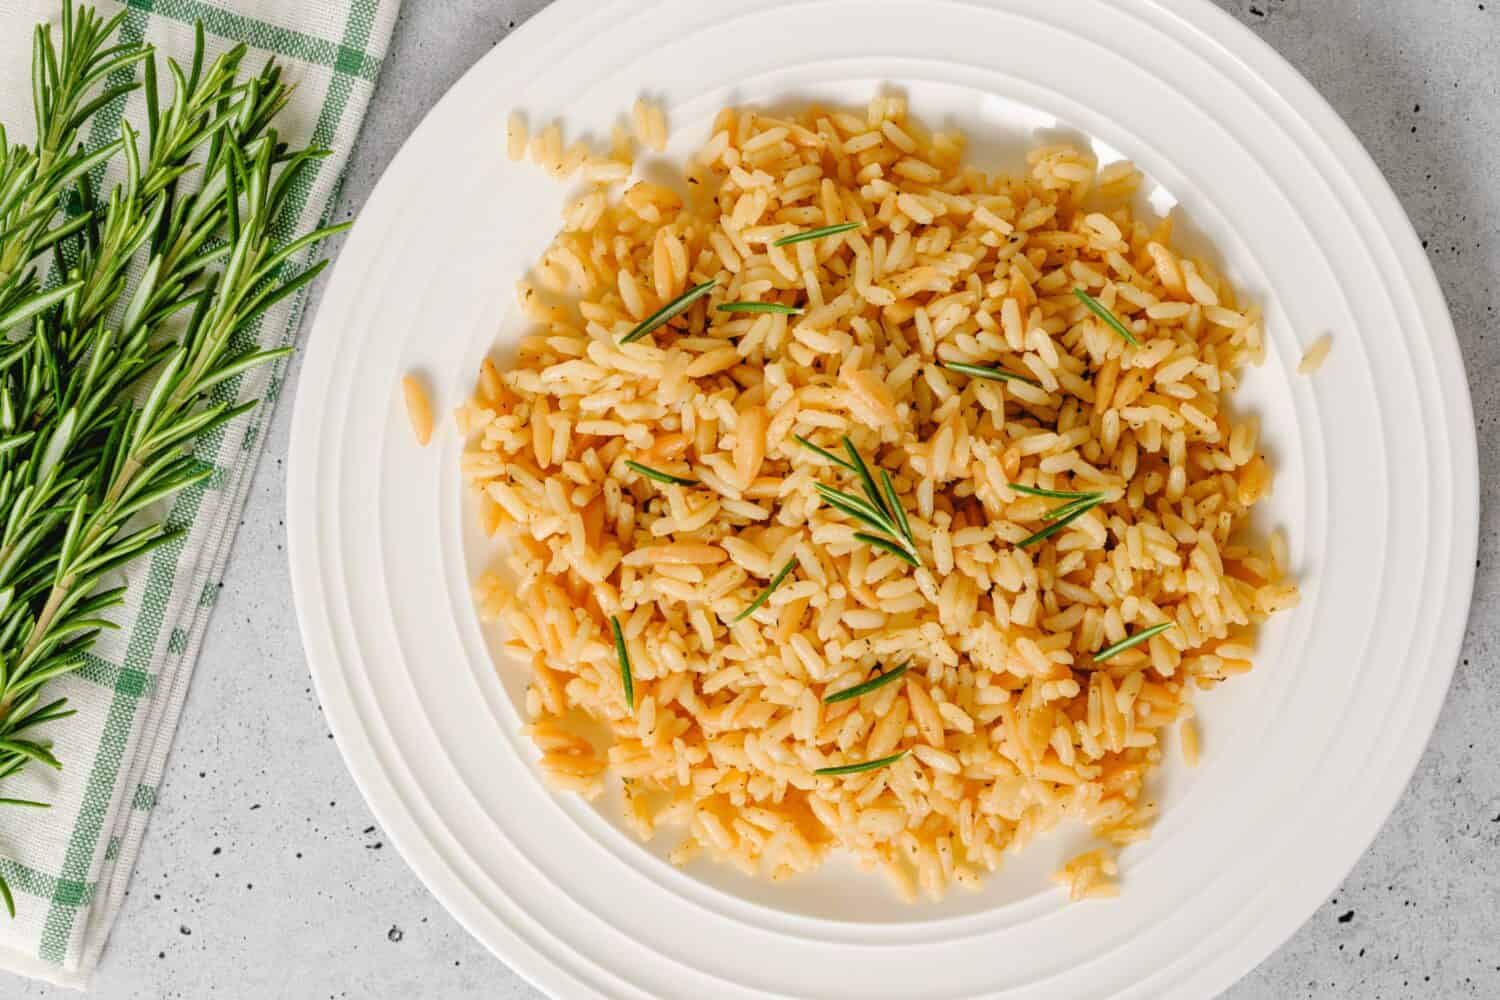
(995, 599)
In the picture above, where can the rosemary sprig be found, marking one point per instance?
(830, 456)
(66, 93)
(1109, 318)
(873, 684)
(765, 595)
(84, 468)
(627, 678)
(817, 234)
(658, 475)
(869, 765)
(1134, 640)
(670, 311)
(878, 510)
(760, 307)
(985, 372)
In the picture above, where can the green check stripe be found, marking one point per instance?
(145, 797)
(126, 680)
(346, 59)
(35, 883)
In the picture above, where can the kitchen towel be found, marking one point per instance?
(69, 865)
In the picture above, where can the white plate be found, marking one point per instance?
(1377, 488)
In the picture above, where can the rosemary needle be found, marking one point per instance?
(759, 307)
(765, 595)
(1080, 505)
(1080, 508)
(670, 311)
(868, 765)
(1034, 491)
(659, 476)
(804, 442)
(1109, 318)
(627, 681)
(873, 684)
(1134, 640)
(817, 234)
(986, 372)
(886, 545)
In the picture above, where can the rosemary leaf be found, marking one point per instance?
(865, 479)
(670, 311)
(986, 372)
(660, 477)
(855, 507)
(1134, 640)
(1109, 318)
(886, 545)
(1058, 513)
(760, 307)
(1057, 525)
(804, 442)
(817, 234)
(903, 526)
(873, 684)
(627, 680)
(765, 595)
(1033, 491)
(869, 765)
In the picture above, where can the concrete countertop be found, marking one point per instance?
(264, 874)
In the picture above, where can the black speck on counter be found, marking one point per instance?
(1346, 917)
(395, 934)
(185, 930)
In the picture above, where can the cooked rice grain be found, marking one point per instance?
(1315, 355)
(418, 408)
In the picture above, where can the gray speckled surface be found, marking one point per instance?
(263, 874)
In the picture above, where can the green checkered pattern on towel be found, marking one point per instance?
(69, 865)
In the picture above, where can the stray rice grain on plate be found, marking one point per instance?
(1315, 355)
(418, 408)
(967, 427)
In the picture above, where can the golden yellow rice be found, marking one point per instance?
(1009, 727)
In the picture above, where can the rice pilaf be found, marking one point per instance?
(1004, 722)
